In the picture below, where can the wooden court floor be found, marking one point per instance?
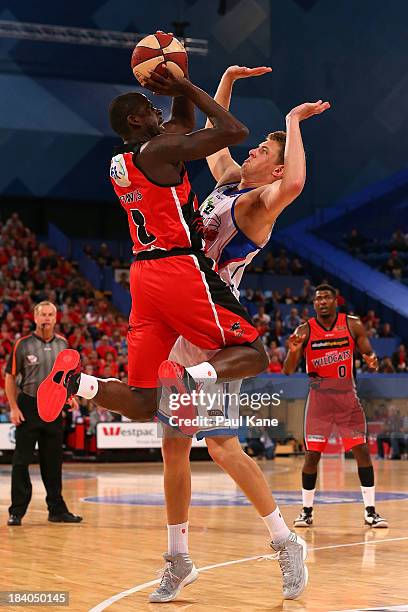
(118, 547)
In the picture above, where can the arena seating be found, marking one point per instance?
(80, 279)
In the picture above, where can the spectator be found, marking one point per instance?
(104, 256)
(383, 437)
(282, 264)
(275, 366)
(355, 242)
(371, 316)
(399, 240)
(399, 441)
(262, 317)
(292, 321)
(279, 351)
(399, 359)
(393, 266)
(124, 280)
(248, 301)
(287, 297)
(357, 366)
(305, 314)
(386, 331)
(297, 267)
(307, 292)
(104, 346)
(269, 263)
(386, 366)
(370, 329)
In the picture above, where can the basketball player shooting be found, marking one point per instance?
(328, 342)
(175, 290)
(239, 216)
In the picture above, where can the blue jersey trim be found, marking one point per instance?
(239, 247)
(225, 431)
(252, 244)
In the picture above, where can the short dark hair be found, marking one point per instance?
(280, 138)
(121, 107)
(325, 287)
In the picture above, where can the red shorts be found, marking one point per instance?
(331, 411)
(179, 296)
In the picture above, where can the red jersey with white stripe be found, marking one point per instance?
(160, 218)
(329, 352)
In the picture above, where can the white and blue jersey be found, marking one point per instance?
(225, 243)
(232, 251)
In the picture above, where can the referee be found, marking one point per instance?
(30, 361)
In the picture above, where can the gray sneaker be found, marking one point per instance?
(178, 573)
(291, 555)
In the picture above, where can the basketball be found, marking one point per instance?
(157, 49)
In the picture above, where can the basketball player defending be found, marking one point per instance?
(328, 342)
(175, 290)
(238, 219)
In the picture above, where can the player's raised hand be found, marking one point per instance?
(371, 361)
(242, 72)
(296, 341)
(165, 84)
(308, 109)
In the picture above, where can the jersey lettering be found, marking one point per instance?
(329, 353)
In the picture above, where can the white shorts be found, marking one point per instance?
(218, 405)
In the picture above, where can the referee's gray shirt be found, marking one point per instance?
(33, 358)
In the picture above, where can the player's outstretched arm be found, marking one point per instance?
(296, 342)
(173, 148)
(221, 164)
(279, 195)
(363, 343)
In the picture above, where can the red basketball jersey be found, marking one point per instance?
(329, 352)
(160, 218)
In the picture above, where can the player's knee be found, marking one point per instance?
(312, 458)
(217, 453)
(362, 453)
(175, 449)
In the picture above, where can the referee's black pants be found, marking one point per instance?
(49, 437)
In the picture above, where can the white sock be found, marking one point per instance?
(277, 527)
(88, 386)
(308, 497)
(368, 496)
(203, 373)
(177, 538)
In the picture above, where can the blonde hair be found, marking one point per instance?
(43, 303)
(280, 138)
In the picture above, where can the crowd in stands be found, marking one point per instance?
(278, 262)
(389, 256)
(394, 434)
(275, 329)
(31, 272)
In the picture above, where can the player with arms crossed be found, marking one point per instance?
(238, 219)
(328, 342)
(175, 290)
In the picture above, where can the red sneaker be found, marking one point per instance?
(177, 380)
(61, 383)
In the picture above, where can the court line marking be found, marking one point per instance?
(385, 608)
(140, 587)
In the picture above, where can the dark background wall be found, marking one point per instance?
(55, 142)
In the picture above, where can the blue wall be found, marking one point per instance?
(352, 53)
